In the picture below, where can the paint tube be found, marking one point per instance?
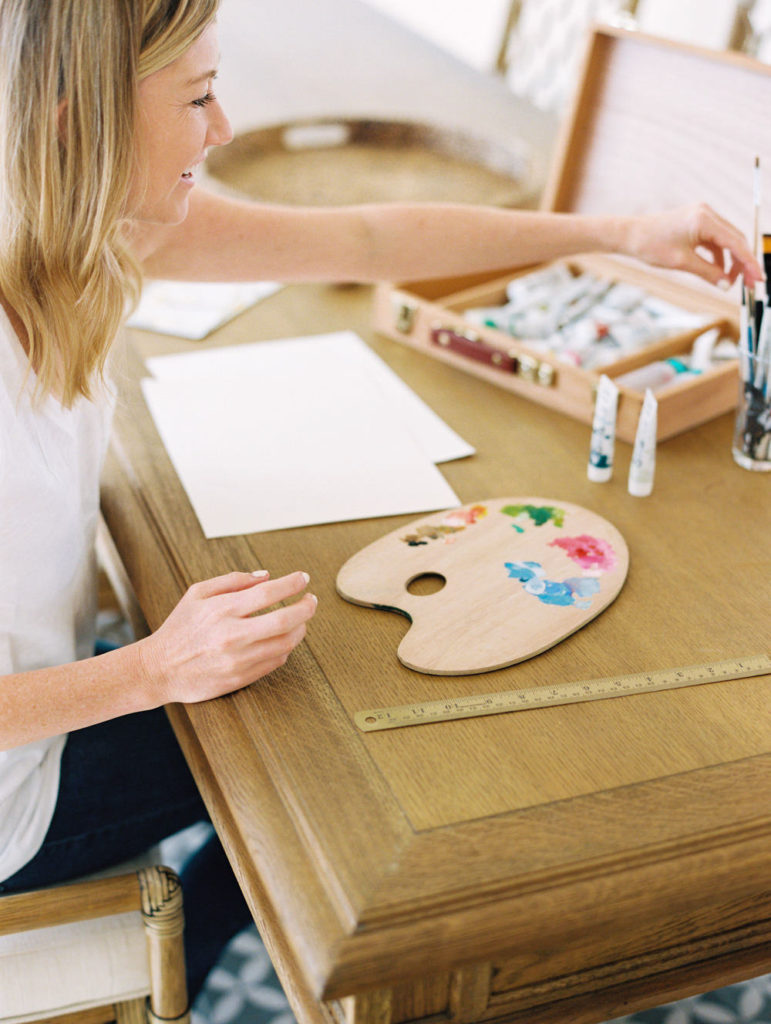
(643, 463)
(702, 352)
(600, 466)
(548, 277)
(653, 375)
(498, 317)
(624, 297)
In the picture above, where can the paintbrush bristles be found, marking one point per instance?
(767, 258)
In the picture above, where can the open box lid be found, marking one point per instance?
(656, 124)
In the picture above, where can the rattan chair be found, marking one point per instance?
(106, 949)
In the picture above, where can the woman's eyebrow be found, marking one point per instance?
(203, 78)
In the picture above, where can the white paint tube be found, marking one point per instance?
(643, 464)
(600, 466)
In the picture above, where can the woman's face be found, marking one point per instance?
(178, 120)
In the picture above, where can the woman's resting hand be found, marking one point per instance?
(224, 634)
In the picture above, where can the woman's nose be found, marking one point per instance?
(220, 132)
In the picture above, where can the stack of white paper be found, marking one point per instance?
(194, 309)
(295, 432)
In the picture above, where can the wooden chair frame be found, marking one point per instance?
(155, 892)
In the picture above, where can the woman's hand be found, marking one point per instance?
(695, 239)
(224, 634)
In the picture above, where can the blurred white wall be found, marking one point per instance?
(472, 29)
(705, 22)
(469, 29)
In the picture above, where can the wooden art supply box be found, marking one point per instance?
(654, 125)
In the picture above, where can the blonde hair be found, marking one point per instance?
(68, 108)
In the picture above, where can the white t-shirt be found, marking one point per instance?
(50, 463)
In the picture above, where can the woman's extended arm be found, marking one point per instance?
(220, 637)
(226, 239)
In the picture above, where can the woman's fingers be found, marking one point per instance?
(682, 238)
(280, 621)
(720, 258)
(227, 584)
(253, 600)
(247, 594)
(279, 646)
(713, 270)
(226, 632)
(714, 232)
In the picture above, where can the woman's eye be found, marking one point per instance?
(202, 101)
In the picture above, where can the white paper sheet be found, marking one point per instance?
(276, 449)
(339, 355)
(194, 309)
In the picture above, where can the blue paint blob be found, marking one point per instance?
(584, 586)
(523, 570)
(554, 593)
(578, 590)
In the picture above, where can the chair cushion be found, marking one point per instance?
(71, 967)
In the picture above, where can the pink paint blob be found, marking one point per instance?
(588, 552)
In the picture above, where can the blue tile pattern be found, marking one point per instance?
(243, 989)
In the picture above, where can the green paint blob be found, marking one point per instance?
(540, 514)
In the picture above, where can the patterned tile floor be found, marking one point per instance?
(244, 989)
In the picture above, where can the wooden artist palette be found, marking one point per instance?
(518, 575)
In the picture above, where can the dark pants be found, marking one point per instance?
(124, 787)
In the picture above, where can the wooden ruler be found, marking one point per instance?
(562, 693)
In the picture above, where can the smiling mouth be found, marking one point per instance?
(189, 174)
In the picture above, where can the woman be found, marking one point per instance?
(107, 110)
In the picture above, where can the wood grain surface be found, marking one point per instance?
(583, 851)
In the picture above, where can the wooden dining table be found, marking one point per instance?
(570, 863)
(563, 864)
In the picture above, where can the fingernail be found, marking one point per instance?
(313, 598)
(724, 284)
(260, 573)
(306, 577)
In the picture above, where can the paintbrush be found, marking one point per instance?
(758, 308)
(756, 195)
(759, 291)
(745, 335)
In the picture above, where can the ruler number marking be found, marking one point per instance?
(480, 705)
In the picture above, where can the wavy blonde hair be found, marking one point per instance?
(68, 111)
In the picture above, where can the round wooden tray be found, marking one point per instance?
(330, 161)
